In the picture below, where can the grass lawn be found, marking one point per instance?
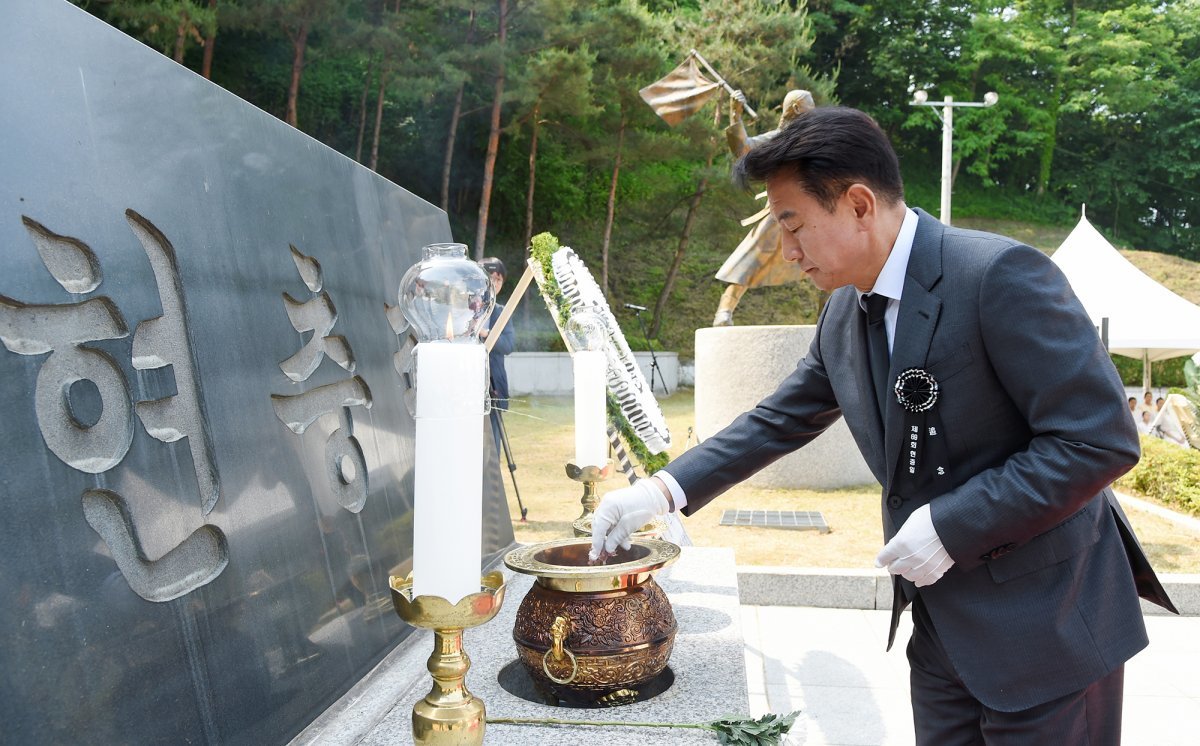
(541, 433)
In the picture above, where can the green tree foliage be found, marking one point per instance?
(881, 50)
(557, 85)
(1135, 147)
(1098, 105)
(629, 43)
(296, 21)
(166, 25)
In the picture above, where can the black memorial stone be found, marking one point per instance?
(207, 457)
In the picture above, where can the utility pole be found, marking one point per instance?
(921, 98)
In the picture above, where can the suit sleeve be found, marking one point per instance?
(508, 337)
(508, 340)
(798, 411)
(1050, 362)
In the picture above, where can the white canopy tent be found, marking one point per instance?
(1145, 320)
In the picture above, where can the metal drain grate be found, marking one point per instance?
(799, 520)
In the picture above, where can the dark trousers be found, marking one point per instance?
(945, 713)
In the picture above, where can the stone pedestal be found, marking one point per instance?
(708, 663)
(736, 367)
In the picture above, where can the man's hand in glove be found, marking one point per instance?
(623, 511)
(916, 552)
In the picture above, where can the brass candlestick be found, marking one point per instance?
(589, 476)
(449, 714)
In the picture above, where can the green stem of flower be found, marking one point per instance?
(558, 721)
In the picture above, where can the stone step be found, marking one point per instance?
(872, 589)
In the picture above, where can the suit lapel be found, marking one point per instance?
(919, 312)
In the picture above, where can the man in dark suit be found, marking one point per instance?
(983, 401)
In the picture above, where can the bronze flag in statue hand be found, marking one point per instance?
(681, 93)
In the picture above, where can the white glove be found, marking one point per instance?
(916, 552)
(623, 511)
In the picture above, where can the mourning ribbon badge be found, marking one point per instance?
(923, 458)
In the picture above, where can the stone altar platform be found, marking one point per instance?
(708, 662)
(736, 367)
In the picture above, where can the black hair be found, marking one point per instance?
(493, 264)
(829, 149)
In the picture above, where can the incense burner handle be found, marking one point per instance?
(558, 633)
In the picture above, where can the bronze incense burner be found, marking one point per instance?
(593, 634)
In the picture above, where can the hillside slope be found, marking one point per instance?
(1180, 275)
(638, 276)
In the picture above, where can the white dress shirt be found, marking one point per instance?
(890, 282)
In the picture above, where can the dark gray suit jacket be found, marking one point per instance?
(1042, 599)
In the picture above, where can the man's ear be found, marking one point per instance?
(862, 201)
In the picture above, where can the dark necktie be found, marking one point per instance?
(877, 346)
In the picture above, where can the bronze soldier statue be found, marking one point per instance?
(757, 261)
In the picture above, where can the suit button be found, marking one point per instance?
(998, 552)
(895, 501)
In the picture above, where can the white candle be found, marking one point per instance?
(448, 474)
(591, 436)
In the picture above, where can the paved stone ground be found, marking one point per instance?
(831, 665)
(813, 640)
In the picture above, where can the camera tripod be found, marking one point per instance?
(654, 369)
(498, 424)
